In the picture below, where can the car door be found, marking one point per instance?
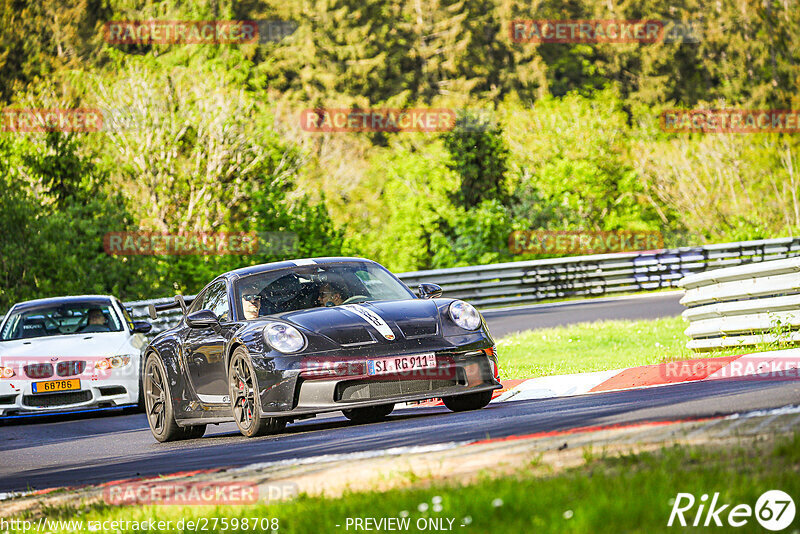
(203, 348)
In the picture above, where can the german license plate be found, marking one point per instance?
(56, 385)
(399, 364)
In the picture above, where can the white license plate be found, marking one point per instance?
(399, 364)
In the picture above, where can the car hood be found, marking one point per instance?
(369, 322)
(98, 344)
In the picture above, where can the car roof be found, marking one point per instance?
(265, 267)
(70, 299)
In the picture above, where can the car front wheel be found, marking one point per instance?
(370, 414)
(245, 400)
(471, 401)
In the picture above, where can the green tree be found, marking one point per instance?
(53, 220)
(479, 157)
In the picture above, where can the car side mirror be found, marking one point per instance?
(202, 319)
(141, 327)
(429, 291)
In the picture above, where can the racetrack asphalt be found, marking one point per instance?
(94, 450)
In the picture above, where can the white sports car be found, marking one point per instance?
(69, 353)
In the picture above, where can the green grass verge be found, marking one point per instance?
(600, 346)
(629, 493)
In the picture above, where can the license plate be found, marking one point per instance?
(399, 364)
(56, 385)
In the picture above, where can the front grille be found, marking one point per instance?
(56, 399)
(354, 391)
(70, 368)
(7, 399)
(39, 370)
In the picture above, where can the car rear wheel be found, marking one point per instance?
(245, 401)
(471, 401)
(157, 402)
(370, 414)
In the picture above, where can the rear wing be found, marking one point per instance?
(178, 302)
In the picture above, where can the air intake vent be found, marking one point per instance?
(56, 399)
(354, 391)
(107, 391)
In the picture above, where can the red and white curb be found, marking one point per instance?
(775, 365)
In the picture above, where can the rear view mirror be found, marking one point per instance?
(429, 291)
(141, 327)
(202, 319)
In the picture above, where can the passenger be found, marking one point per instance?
(330, 295)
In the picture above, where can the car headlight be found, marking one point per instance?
(6, 372)
(283, 337)
(112, 362)
(465, 315)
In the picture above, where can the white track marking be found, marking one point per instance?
(395, 451)
(764, 423)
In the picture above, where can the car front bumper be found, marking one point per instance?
(17, 396)
(343, 384)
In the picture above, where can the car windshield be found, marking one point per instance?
(61, 319)
(314, 286)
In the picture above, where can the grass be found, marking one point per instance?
(600, 346)
(628, 493)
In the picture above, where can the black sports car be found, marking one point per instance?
(268, 344)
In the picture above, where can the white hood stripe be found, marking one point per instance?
(372, 318)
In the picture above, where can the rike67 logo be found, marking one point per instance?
(774, 510)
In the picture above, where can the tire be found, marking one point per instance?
(139, 408)
(193, 432)
(245, 403)
(140, 400)
(471, 401)
(370, 414)
(158, 406)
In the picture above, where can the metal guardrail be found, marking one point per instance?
(533, 281)
(601, 274)
(744, 305)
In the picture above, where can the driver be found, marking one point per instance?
(97, 321)
(250, 306)
(278, 297)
